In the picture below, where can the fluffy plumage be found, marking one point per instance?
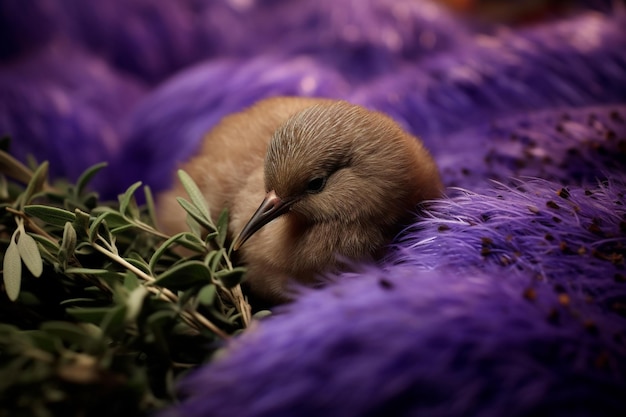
(340, 182)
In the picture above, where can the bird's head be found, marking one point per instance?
(343, 164)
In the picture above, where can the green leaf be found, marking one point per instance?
(194, 227)
(4, 188)
(69, 332)
(81, 224)
(197, 197)
(42, 340)
(14, 168)
(51, 215)
(30, 254)
(160, 318)
(93, 315)
(87, 271)
(114, 218)
(77, 301)
(213, 259)
(114, 320)
(222, 228)
(195, 214)
(131, 281)
(46, 244)
(184, 275)
(139, 263)
(12, 270)
(68, 243)
(35, 184)
(86, 176)
(127, 197)
(207, 295)
(134, 302)
(94, 228)
(121, 229)
(150, 206)
(261, 313)
(162, 249)
(233, 277)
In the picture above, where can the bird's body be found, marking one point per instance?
(337, 182)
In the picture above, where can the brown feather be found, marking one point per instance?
(373, 176)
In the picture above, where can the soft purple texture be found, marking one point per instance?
(506, 297)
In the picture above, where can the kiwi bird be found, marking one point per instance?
(309, 183)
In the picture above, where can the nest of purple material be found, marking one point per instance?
(507, 297)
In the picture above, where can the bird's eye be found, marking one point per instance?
(316, 185)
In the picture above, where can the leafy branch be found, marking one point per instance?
(95, 292)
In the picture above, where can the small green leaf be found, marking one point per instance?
(93, 315)
(14, 168)
(51, 215)
(184, 275)
(69, 332)
(81, 224)
(121, 229)
(162, 249)
(214, 258)
(35, 184)
(233, 277)
(131, 281)
(222, 228)
(82, 300)
(86, 176)
(114, 320)
(4, 188)
(127, 197)
(207, 295)
(68, 243)
(30, 254)
(42, 340)
(134, 302)
(192, 242)
(196, 214)
(87, 271)
(210, 237)
(46, 243)
(94, 228)
(12, 270)
(114, 218)
(197, 198)
(139, 263)
(161, 318)
(150, 206)
(194, 227)
(261, 313)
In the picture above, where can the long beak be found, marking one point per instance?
(271, 208)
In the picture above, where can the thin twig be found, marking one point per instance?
(242, 305)
(30, 224)
(192, 317)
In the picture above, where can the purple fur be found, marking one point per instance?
(72, 115)
(567, 145)
(479, 313)
(572, 63)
